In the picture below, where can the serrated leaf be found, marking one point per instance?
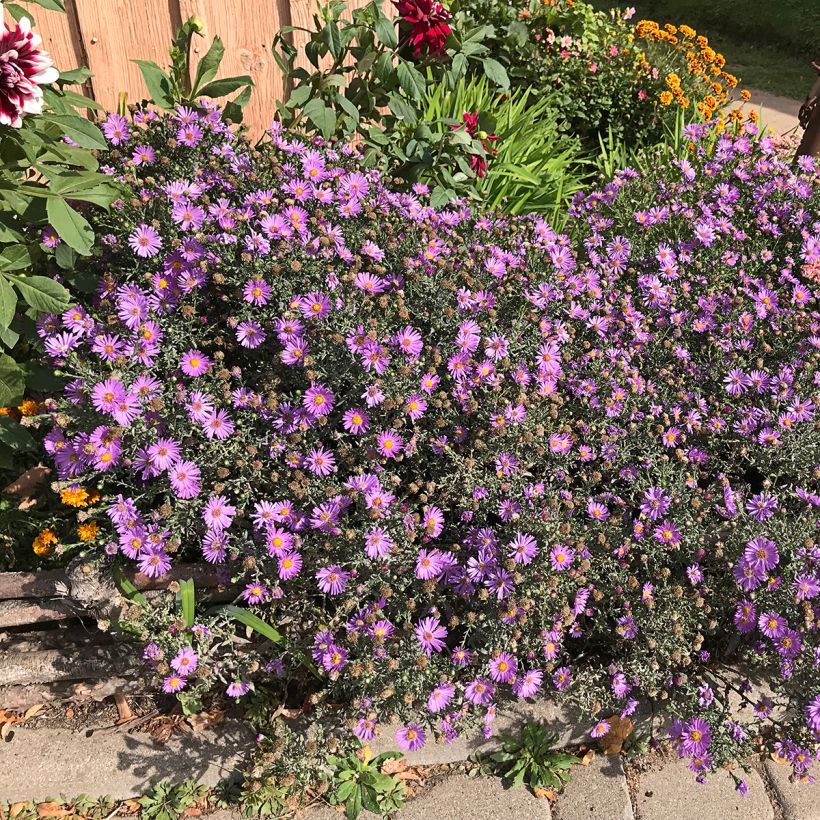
(79, 130)
(43, 294)
(411, 81)
(496, 72)
(71, 226)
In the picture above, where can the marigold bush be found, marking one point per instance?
(458, 458)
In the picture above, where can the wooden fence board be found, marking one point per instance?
(114, 33)
(247, 28)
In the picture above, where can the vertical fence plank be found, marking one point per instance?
(115, 32)
(247, 28)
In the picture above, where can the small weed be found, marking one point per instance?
(359, 784)
(166, 801)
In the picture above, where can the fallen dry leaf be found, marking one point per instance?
(16, 808)
(587, 758)
(51, 810)
(394, 765)
(32, 711)
(204, 720)
(69, 713)
(131, 806)
(619, 730)
(543, 793)
(192, 811)
(123, 709)
(24, 484)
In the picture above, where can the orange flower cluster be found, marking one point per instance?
(705, 67)
(79, 497)
(42, 544)
(28, 408)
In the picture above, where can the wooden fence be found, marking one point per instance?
(106, 35)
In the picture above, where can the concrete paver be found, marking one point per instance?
(596, 792)
(475, 798)
(671, 793)
(799, 801)
(40, 763)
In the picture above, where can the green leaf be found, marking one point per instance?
(332, 37)
(158, 82)
(208, 65)
(411, 81)
(11, 382)
(299, 96)
(51, 5)
(9, 337)
(17, 12)
(227, 85)
(8, 302)
(323, 117)
(496, 72)
(76, 76)
(459, 66)
(15, 436)
(386, 32)
(254, 622)
(41, 293)
(186, 593)
(127, 587)
(71, 226)
(16, 257)
(233, 109)
(79, 130)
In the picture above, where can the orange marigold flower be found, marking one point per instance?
(702, 41)
(687, 32)
(29, 408)
(752, 116)
(666, 97)
(74, 497)
(42, 543)
(730, 80)
(672, 80)
(88, 531)
(671, 29)
(745, 95)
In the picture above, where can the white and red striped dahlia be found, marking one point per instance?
(23, 69)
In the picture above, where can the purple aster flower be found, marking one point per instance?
(332, 580)
(145, 241)
(410, 738)
(431, 634)
(186, 661)
(503, 668)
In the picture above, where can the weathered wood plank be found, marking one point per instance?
(247, 28)
(20, 613)
(114, 33)
(22, 697)
(86, 663)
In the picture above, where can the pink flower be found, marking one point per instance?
(431, 635)
(410, 738)
(195, 363)
(390, 443)
(23, 69)
(218, 513)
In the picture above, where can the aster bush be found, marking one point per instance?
(453, 459)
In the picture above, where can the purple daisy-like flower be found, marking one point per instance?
(431, 634)
(186, 661)
(410, 738)
(237, 689)
(502, 668)
(173, 684)
(696, 736)
(194, 363)
(332, 580)
(145, 241)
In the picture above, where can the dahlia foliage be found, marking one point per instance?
(24, 67)
(457, 458)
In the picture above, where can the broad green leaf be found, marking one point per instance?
(15, 257)
(75, 76)
(186, 593)
(496, 72)
(323, 117)
(71, 226)
(386, 32)
(15, 436)
(17, 12)
(11, 382)
(227, 85)
(9, 337)
(79, 130)
(299, 96)
(8, 302)
(42, 293)
(411, 81)
(233, 109)
(159, 85)
(209, 65)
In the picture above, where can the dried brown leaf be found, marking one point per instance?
(32, 711)
(123, 708)
(619, 730)
(204, 720)
(394, 765)
(52, 810)
(587, 758)
(16, 808)
(544, 793)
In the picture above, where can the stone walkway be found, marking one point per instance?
(46, 763)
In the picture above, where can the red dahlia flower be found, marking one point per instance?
(23, 69)
(427, 21)
(478, 164)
